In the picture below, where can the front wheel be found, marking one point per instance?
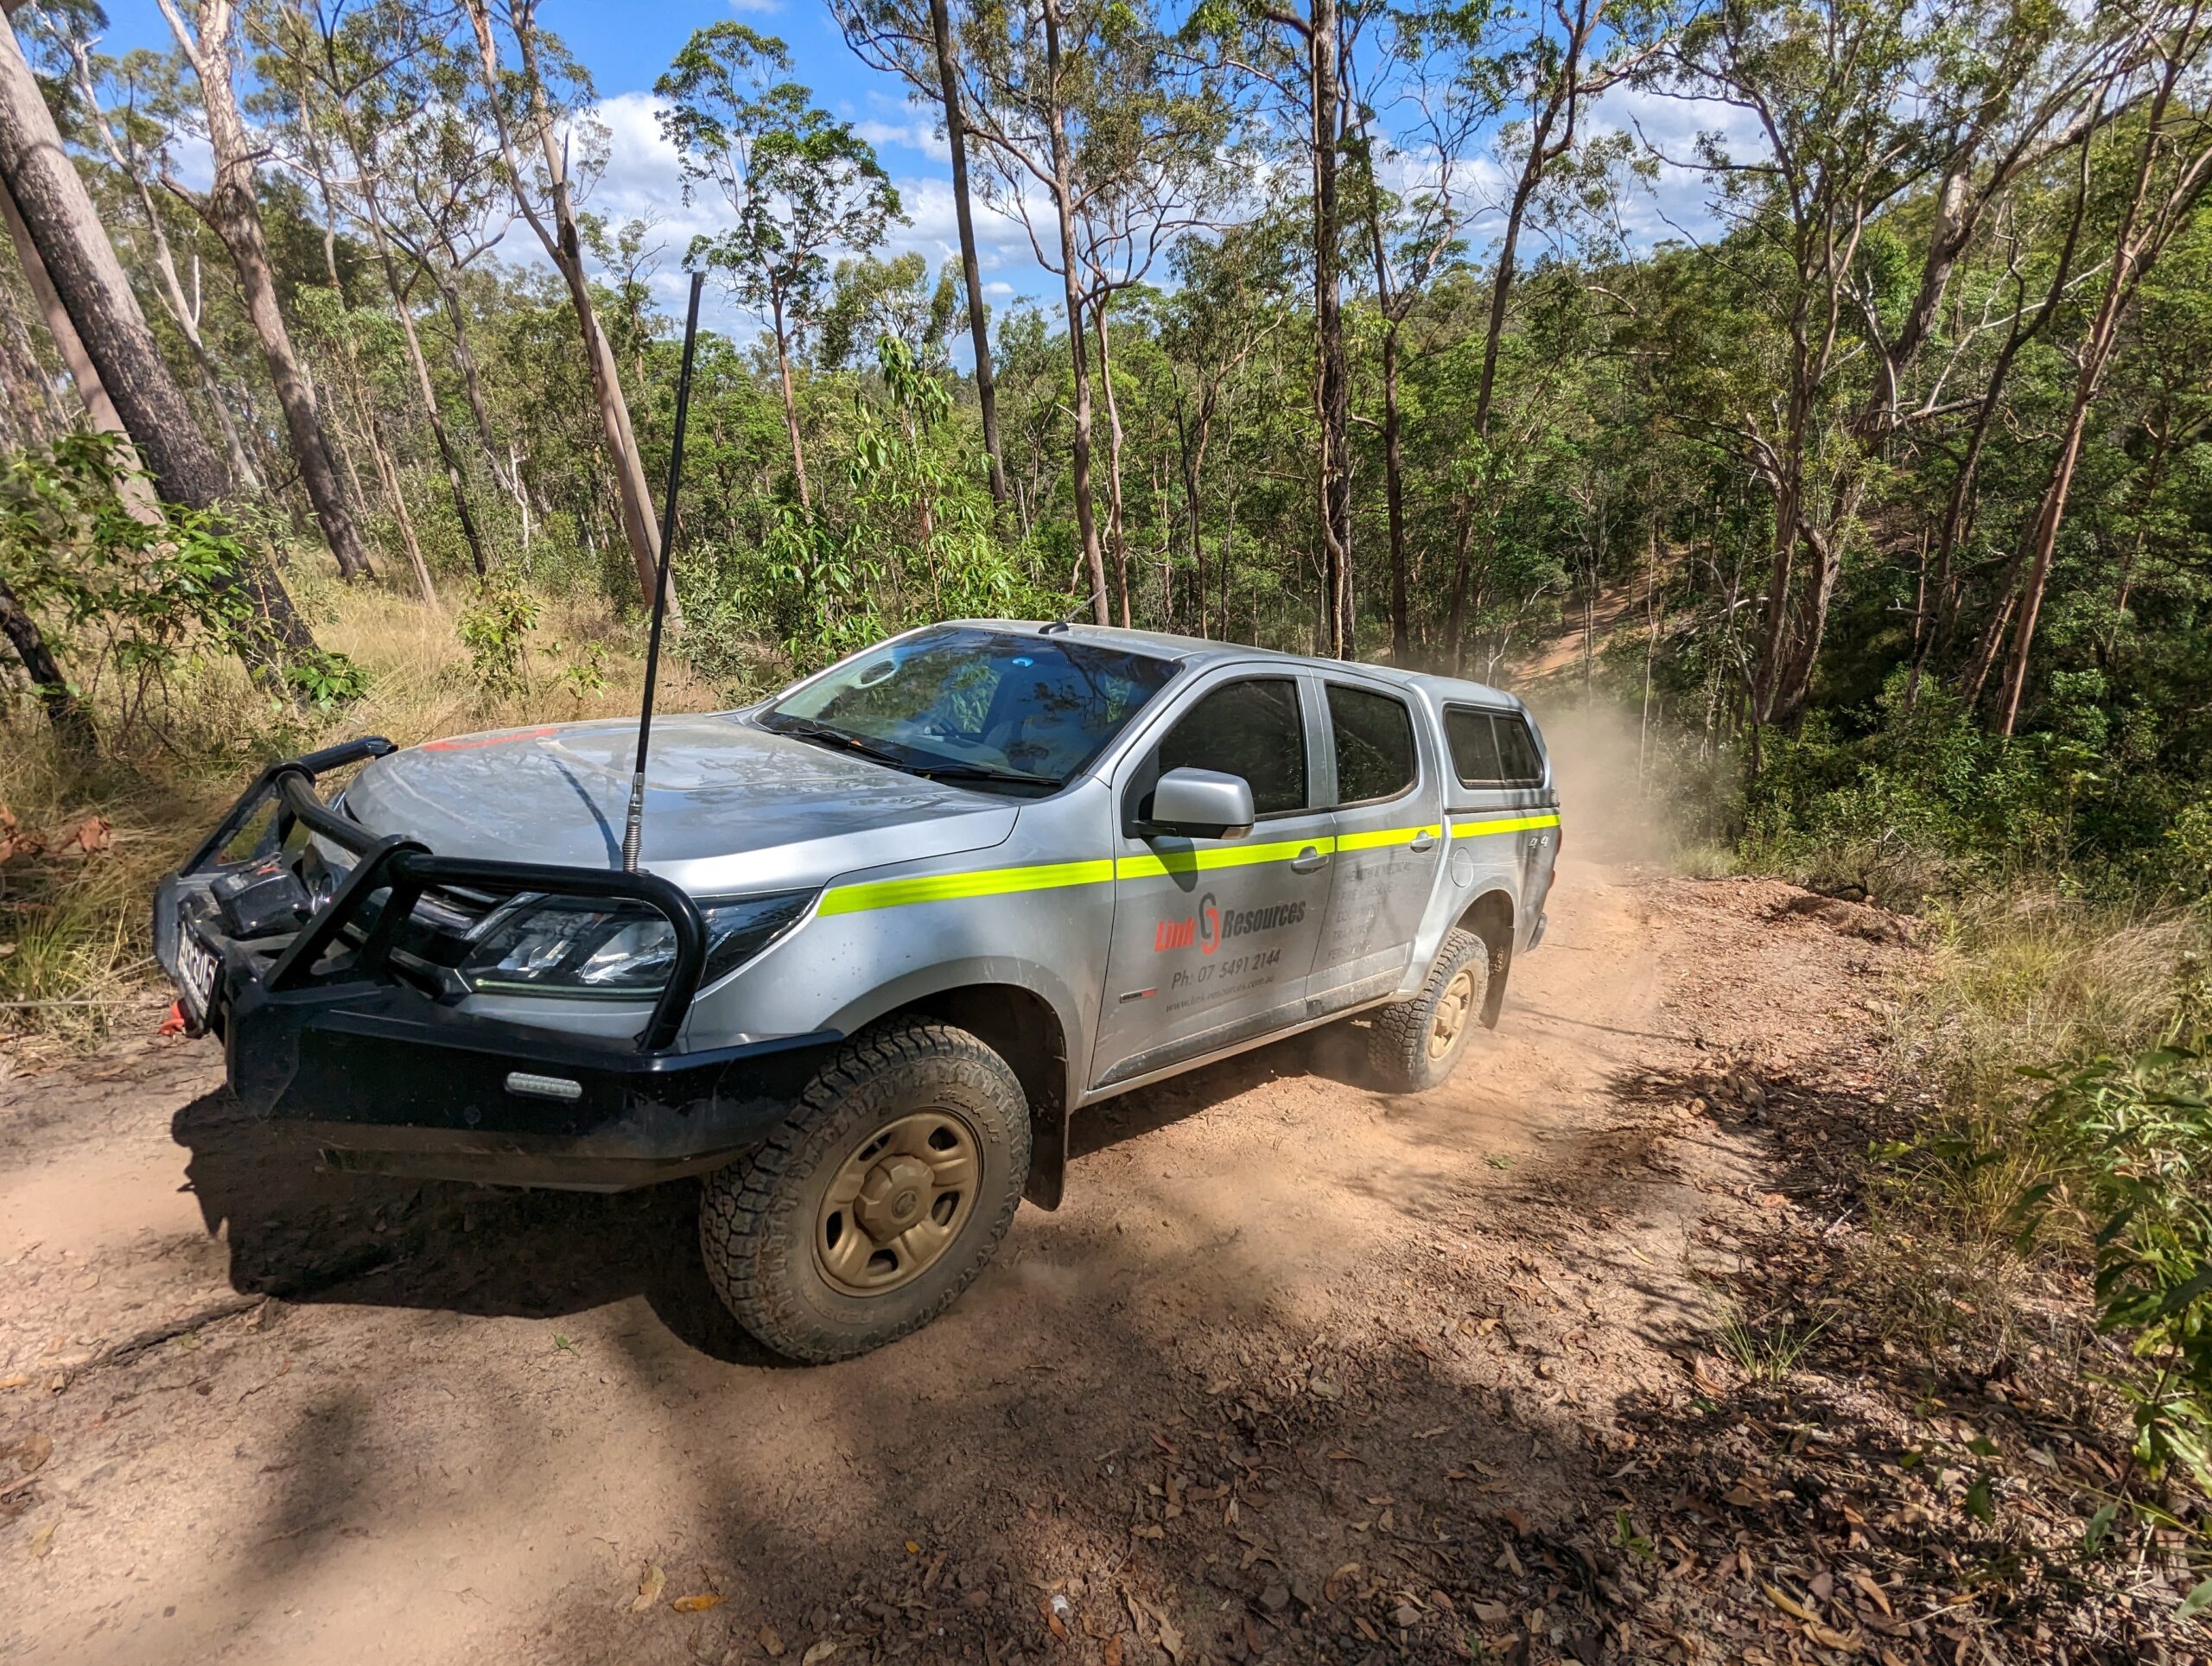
(1414, 1042)
(878, 1200)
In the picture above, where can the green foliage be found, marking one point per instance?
(580, 669)
(326, 680)
(800, 182)
(2134, 1158)
(129, 601)
(1916, 799)
(495, 631)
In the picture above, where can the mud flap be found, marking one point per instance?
(1501, 962)
(1048, 1157)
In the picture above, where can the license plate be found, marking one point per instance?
(197, 968)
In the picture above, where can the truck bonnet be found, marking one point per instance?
(729, 808)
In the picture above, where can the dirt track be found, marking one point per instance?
(1271, 1380)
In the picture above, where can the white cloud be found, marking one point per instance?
(912, 136)
(757, 8)
(1679, 204)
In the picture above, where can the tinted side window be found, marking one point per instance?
(1375, 744)
(1517, 751)
(1252, 730)
(1474, 746)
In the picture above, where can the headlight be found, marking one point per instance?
(536, 944)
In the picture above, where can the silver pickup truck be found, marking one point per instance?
(895, 926)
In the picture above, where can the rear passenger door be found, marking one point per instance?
(1390, 844)
(1213, 938)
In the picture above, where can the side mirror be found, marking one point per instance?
(1201, 804)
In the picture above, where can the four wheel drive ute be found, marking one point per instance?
(895, 926)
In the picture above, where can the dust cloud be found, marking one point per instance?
(1614, 802)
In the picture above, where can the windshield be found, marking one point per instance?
(987, 708)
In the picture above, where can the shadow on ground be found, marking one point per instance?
(305, 1232)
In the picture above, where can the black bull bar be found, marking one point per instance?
(319, 1029)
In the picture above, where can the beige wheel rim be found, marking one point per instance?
(897, 1201)
(1451, 1009)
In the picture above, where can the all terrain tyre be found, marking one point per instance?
(1414, 1042)
(878, 1199)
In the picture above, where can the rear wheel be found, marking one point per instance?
(1414, 1042)
(878, 1200)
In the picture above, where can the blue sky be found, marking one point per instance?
(627, 47)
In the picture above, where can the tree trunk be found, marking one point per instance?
(1332, 387)
(471, 385)
(65, 714)
(1455, 623)
(1394, 487)
(89, 279)
(1500, 280)
(455, 482)
(1086, 518)
(956, 134)
(182, 311)
(1392, 456)
(791, 403)
(137, 497)
(231, 209)
(1114, 532)
(388, 478)
(2044, 540)
(1193, 437)
(564, 248)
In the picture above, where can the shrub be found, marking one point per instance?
(495, 631)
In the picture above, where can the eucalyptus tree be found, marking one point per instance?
(1295, 60)
(921, 43)
(800, 184)
(1232, 293)
(1412, 230)
(73, 246)
(2171, 152)
(871, 298)
(132, 128)
(1827, 87)
(1078, 103)
(1156, 164)
(390, 98)
(1526, 78)
(533, 110)
(232, 208)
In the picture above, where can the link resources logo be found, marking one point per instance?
(1210, 927)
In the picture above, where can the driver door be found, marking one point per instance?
(1213, 939)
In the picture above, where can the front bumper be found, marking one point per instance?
(322, 1031)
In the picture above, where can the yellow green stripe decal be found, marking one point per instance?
(1503, 824)
(1376, 838)
(1061, 876)
(950, 887)
(1151, 865)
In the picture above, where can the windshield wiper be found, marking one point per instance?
(979, 772)
(806, 728)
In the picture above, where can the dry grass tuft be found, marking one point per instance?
(2014, 981)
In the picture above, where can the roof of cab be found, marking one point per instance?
(1199, 651)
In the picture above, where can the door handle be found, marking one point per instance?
(1424, 840)
(1307, 860)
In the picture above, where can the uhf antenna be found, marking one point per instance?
(635, 827)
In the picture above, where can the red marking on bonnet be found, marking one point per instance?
(471, 745)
